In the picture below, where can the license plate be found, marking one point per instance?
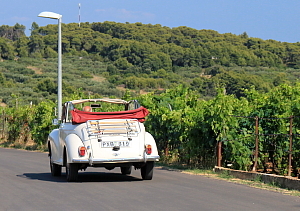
(115, 143)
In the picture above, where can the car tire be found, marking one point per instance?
(72, 172)
(55, 169)
(147, 170)
(126, 170)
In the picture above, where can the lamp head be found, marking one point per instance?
(50, 15)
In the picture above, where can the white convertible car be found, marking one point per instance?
(105, 133)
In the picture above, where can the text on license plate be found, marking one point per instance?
(115, 143)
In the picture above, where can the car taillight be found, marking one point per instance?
(81, 151)
(148, 149)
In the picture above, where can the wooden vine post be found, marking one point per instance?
(219, 154)
(291, 146)
(256, 145)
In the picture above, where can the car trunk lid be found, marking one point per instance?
(115, 139)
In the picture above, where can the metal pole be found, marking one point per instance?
(291, 146)
(79, 5)
(53, 15)
(59, 73)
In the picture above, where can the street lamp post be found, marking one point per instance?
(53, 15)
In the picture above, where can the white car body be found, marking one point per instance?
(109, 142)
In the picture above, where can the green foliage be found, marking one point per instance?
(239, 76)
(30, 122)
(18, 124)
(189, 128)
(12, 32)
(41, 124)
(6, 49)
(145, 56)
(46, 85)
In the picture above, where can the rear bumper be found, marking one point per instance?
(92, 161)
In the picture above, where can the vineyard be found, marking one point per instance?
(258, 132)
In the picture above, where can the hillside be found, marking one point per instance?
(108, 58)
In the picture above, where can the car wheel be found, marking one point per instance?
(147, 170)
(55, 169)
(126, 170)
(72, 172)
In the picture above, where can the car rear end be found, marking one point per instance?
(116, 141)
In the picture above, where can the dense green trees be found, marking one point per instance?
(145, 44)
(145, 56)
(12, 32)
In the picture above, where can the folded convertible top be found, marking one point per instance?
(79, 116)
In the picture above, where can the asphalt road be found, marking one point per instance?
(26, 184)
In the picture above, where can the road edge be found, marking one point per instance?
(290, 183)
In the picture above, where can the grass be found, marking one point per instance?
(256, 183)
(30, 146)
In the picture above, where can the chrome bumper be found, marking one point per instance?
(116, 160)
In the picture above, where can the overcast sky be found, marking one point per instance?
(266, 19)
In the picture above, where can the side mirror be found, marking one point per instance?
(55, 122)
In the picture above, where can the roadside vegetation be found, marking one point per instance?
(201, 87)
(257, 183)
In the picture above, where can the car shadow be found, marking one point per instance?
(105, 177)
(82, 177)
(42, 176)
